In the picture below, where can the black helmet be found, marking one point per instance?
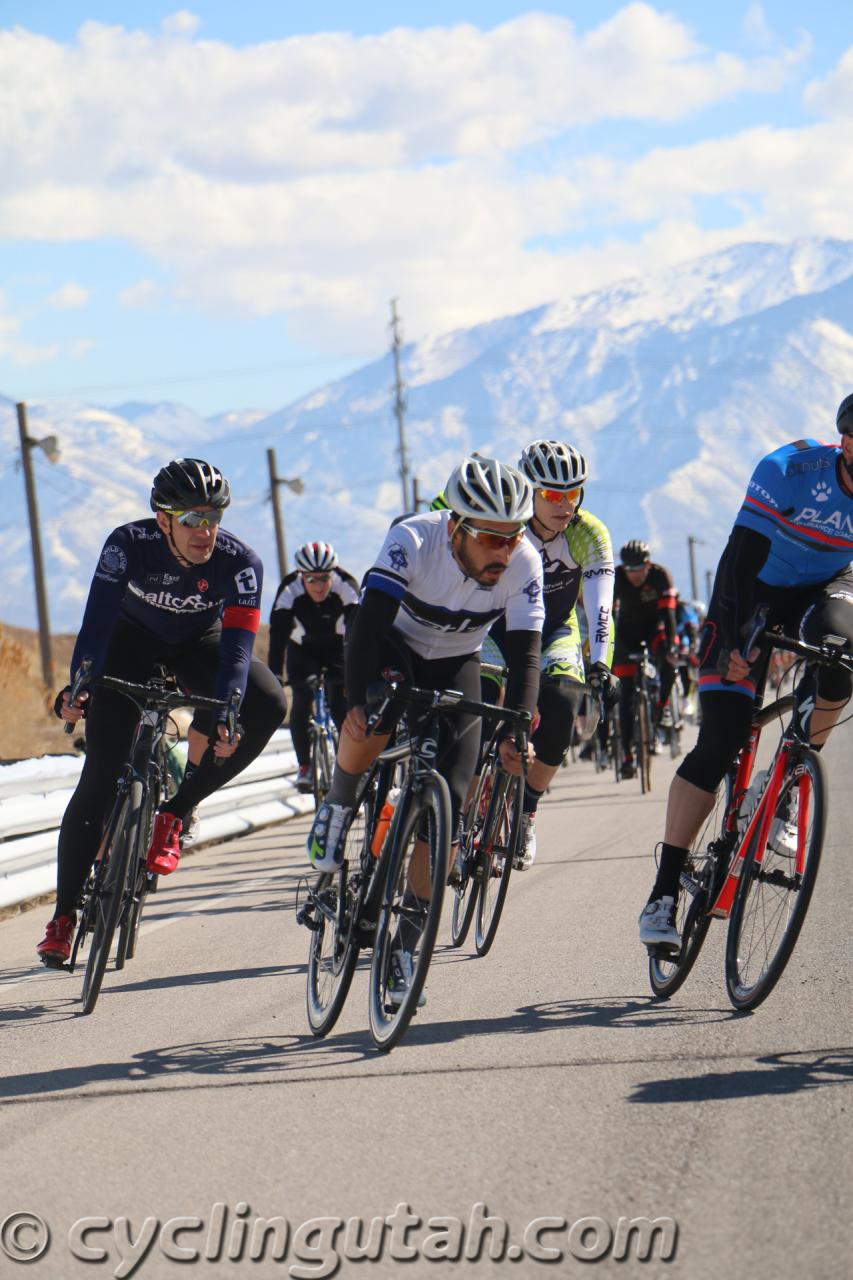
(189, 482)
(844, 417)
(635, 554)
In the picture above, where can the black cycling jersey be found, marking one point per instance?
(643, 610)
(318, 625)
(140, 580)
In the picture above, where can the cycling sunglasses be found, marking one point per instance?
(316, 577)
(559, 495)
(492, 539)
(197, 519)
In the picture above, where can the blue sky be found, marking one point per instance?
(215, 204)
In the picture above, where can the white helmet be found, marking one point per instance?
(550, 464)
(484, 488)
(316, 557)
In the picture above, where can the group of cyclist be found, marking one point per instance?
(508, 557)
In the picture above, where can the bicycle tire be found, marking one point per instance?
(429, 808)
(118, 851)
(500, 839)
(641, 737)
(771, 901)
(322, 764)
(333, 949)
(615, 742)
(707, 863)
(675, 727)
(132, 913)
(465, 895)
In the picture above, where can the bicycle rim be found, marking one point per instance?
(699, 884)
(132, 913)
(675, 728)
(644, 757)
(498, 848)
(772, 899)
(465, 894)
(615, 741)
(110, 892)
(428, 816)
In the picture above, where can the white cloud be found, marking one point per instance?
(833, 96)
(181, 23)
(69, 297)
(145, 293)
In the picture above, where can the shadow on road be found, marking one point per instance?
(781, 1073)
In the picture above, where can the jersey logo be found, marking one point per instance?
(821, 491)
(247, 581)
(202, 584)
(397, 556)
(533, 590)
(113, 560)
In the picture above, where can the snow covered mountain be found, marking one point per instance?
(673, 384)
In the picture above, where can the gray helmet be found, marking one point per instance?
(189, 482)
(551, 464)
(844, 416)
(485, 489)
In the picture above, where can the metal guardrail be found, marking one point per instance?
(34, 793)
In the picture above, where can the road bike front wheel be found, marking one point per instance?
(322, 763)
(333, 949)
(499, 846)
(465, 894)
(642, 738)
(110, 886)
(408, 922)
(776, 884)
(676, 714)
(131, 915)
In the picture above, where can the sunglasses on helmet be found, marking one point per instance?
(559, 495)
(197, 519)
(316, 577)
(491, 538)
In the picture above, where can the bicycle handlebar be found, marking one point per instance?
(391, 695)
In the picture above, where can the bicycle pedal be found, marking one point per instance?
(305, 915)
(663, 950)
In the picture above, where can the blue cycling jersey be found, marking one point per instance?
(139, 579)
(796, 500)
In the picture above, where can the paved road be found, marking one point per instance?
(542, 1083)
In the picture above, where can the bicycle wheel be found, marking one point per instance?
(132, 916)
(322, 763)
(407, 922)
(642, 726)
(675, 727)
(333, 950)
(117, 852)
(498, 848)
(465, 893)
(773, 895)
(701, 879)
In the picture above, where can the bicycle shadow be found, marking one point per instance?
(784, 1073)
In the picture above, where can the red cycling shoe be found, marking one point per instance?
(55, 947)
(165, 851)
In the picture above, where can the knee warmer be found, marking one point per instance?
(559, 702)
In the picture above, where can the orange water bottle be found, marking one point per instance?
(386, 813)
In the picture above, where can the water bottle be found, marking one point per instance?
(386, 813)
(750, 800)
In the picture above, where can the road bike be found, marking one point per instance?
(490, 840)
(756, 860)
(116, 888)
(367, 902)
(324, 740)
(646, 684)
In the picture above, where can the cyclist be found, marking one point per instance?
(790, 549)
(307, 624)
(175, 589)
(644, 604)
(575, 549)
(687, 628)
(439, 582)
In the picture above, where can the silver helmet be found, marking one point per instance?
(316, 557)
(486, 489)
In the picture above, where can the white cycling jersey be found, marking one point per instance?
(442, 612)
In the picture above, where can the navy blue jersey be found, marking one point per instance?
(796, 500)
(139, 579)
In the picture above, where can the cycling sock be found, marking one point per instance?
(344, 787)
(671, 863)
(531, 799)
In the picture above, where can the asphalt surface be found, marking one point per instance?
(540, 1085)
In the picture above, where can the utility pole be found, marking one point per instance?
(709, 586)
(51, 449)
(691, 543)
(293, 483)
(416, 495)
(400, 404)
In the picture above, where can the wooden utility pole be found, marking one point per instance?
(293, 483)
(35, 541)
(400, 404)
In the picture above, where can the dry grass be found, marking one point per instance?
(28, 726)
